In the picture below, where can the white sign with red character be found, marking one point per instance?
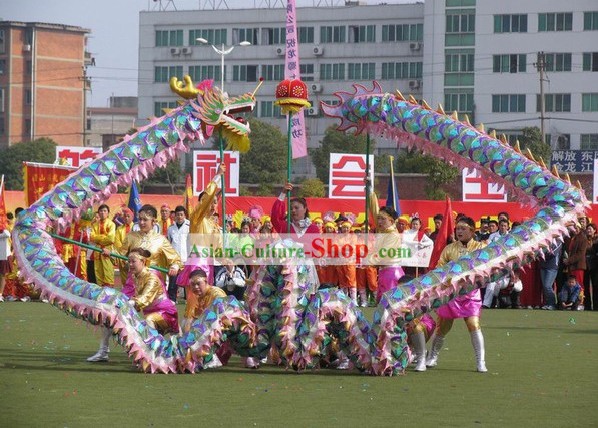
(77, 156)
(347, 175)
(205, 164)
(477, 189)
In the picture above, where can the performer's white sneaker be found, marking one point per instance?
(98, 357)
(482, 367)
(421, 365)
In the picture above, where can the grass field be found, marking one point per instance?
(543, 371)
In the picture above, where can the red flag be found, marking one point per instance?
(446, 230)
(3, 219)
(188, 198)
(42, 177)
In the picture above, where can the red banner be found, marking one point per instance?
(3, 219)
(238, 205)
(41, 177)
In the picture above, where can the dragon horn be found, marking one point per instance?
(439, 109)
(399, 95)
(567, 178)
(517, 147)
(542, 163)
(426, 105)
(481, 127)
(530, 155)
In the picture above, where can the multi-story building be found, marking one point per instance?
(42, 85)
(484, 59)
(107, 125)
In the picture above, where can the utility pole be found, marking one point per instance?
(84, 105)
(541, 67)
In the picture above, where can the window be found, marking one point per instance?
(589, 141)
(554, 102)
(458, 62)
(1, 100)
(510, 23)
(273, 36)
(306, 34)
(2, 126)
(2, 67)
(590, 21)
(555, 21)
(559, 141)
(359, 71)
(273, 72)
(202, 72)
(514, 63)
(332, 71)
(508, 103)
(245, 73)
(245, 35)
(400, 33)
(159, 105)
(401, 70)
(558, 62)
(163, 74)
(460, 22)
(269, 109)
(590, 61)
(213, 36)
(333, 34)
(589, 102)
(459, 102)
(2, 42)
(307, 72)
(169, 37)
(28, 39)
(362, 33)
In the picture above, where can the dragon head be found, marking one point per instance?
(217, 110)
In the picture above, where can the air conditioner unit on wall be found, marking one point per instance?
(414, 84)
(316, 87)
(26, 48)
(186, 51)
(175, 51)
(318, 50)
(415, 46)
(313, 111)
(280, 51)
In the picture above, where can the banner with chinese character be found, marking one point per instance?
(41, 177)
(573, 160)
(205, 164)
(477, 189)
(291, 71)
(76, 156)
(347, 175)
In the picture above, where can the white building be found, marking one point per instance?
(476, 57)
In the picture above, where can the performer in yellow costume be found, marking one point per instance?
(121, 233)
(203, 232)
(468, 306)
(103, 234)
(162, 255)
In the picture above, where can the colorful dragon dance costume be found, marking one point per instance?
(299, 326)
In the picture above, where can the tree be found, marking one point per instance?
(531, 139)
(438, 172)
(172, 174)
(265, 162)
(42, 150)
(337, 142)
(311, 188)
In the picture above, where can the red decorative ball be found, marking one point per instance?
(292, 88)
(291, 96)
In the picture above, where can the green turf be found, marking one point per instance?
(543, 371)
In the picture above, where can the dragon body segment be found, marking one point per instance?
(282, 313)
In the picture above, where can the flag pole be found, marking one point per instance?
(289, 152)
(393, 184)
(368, 185)
(222, 186)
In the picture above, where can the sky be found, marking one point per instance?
(114, 37)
